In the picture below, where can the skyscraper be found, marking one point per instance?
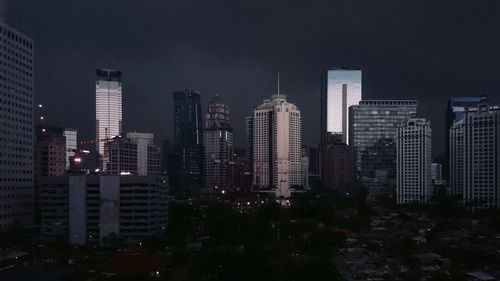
(135, 154)
(455, 112)
(338, 167)
(16, 127)
(108, 95)
(218, 146)
(188, 143)
(475, 153)
(373, 133)
(341, 88)
(414, 159)
(277, 146)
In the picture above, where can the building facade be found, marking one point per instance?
(277, 146)
(89, 209)
(338, 167)
(135, 154)
(218, 146)
(480, 132)
(16, 127)
(186, 176)
(341, 88)
(108, 96)
(374, 125)
(414, 160)
(71, 145)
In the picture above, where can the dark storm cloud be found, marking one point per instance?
(425, 50)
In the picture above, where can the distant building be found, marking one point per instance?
(88, 209)
(455, 112)
(17, 128)
(188, 143)
(134, 155)
(71, 145)
(277, 146)
(108, 96)
(479, 150)
(338, 174)
(218, 146)
(374, 125)
(341, 88)
(249, 141)
(50, 151)
(414, 159)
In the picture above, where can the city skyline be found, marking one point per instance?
(173, 59)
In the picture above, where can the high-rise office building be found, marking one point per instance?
(16, 127)
(135, 154)
(249, 142)
(277, 146)
(455, 112)
(218, 146)
(108, 97)
(373, 133)
(475, 155)
(186, 177)
(71, 145)
(50, 151)
(414, 159)
(341, 88)
(454, 140)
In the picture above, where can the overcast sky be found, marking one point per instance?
(425, 50)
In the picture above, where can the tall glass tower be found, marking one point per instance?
(188, 143)
(16, 129)
(340, 89)
(108, 115)
(218, 146)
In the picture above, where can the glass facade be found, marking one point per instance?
(108, 93)
(341, 89)
(188, 142)
(71, 144)
(373, 131)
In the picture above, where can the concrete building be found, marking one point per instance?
(374, 125)
(90, 209)
(218, 146)
(108, 97)
(480, 128)
(16, 127)
(134, 155)
(338, 174)
(414, 159)
(277, 146)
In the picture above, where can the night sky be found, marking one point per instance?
(425, 50)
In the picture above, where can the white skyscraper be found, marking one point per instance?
(341, 88)
(277, 146)
(414, 160)
(16, 127)
(479, 149)
(108, 90)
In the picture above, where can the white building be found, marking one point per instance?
(108, 94)
(414, 160)
(277, 146)
(16, 127)
(341, 89)
(71, 145)
(89, 209)
(134, 155)
(481, 156)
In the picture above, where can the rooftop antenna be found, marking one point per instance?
(278, 83)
